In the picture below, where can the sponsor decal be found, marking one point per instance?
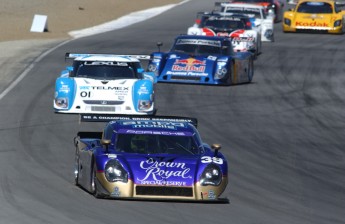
(242, 9)
(163, 182)
(214, 43)
(84, 87)
(190, 64)
(212, 58)
(211, 194)
(143, 89)
(116, 192)
(118, 90)
(108, 88)
(112, 156)
(157, 172)
(241, 36)
(114, 63)
(64, 88)
(155, 132)
(154, 124)
(186, 73)
(312, 24)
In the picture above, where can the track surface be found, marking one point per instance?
(283, 135)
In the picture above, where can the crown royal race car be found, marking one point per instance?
(237, 27)
(105, 84)
(324, 16)
(209, 60)
(159, 158)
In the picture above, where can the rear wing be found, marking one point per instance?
(112, 117)
(76, 55)
(218, 5)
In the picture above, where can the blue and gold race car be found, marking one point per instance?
(195, 59)
(149, 157)
(105, 84)
(323, 16)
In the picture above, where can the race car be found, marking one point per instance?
(105, 84)
(237, 27)
(262, 22)
(195, 59)
(157, 158)
(271, 6)
(324, 16)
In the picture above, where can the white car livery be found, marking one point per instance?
(262, 22)
(105, 84)
(237, 28)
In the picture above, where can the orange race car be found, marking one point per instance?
(324, 16)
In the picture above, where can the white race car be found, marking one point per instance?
(105, 84)
(262, 22)
(237, 27)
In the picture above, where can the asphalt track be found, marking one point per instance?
(283, 135)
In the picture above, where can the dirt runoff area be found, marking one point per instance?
(63, 16)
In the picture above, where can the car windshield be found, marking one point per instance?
(225, 24)
(251, 13)
(156, 144)
(254, 1)
(197, 46)
(105, 72)
(315, 7)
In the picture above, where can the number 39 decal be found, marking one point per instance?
(209, 159)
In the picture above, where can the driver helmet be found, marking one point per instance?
(139, 143)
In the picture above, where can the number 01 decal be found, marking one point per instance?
(209, 159)
(85, 94)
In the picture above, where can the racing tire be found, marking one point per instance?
(94, 189)
(250, 70)
(76, 167)
(259, 46)
(230, 74)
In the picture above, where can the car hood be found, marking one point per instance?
(314, 20)
(162, 170)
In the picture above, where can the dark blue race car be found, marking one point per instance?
(159, 158)
(208, 60)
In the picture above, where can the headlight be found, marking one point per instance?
(337, 23)
(61, 102)
(220, 72)
(115, 172)
(268, 33)
(212, 175)
(144, 104)
(287, 22)
(153, 68)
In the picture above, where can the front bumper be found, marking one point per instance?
(130, 190)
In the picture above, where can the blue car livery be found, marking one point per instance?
(209, 60)
(160, 158)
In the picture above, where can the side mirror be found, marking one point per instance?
(159, 44)
(216, 148)
(106, 143)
